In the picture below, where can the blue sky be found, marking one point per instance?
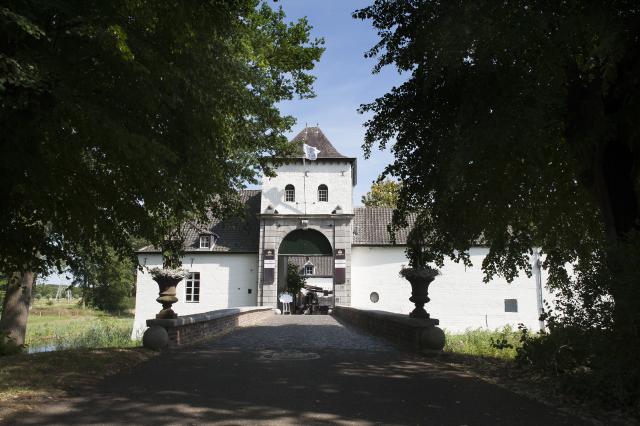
(344, 82)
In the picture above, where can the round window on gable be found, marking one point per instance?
(374, 297)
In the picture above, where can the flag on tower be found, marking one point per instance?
(310, 152)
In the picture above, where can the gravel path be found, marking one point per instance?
(293, 370)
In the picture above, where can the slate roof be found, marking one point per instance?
(370, 227)
(313, 136)
(242, 234)
(235, 234)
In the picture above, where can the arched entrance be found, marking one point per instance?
(311, 252)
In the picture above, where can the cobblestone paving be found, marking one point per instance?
(307, 332)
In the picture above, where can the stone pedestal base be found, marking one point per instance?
(432, 338)
(155, 338)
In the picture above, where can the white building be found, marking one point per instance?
(305, 215)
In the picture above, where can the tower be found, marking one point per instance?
(306, 215)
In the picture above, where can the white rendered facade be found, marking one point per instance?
(225, 281)
(459, 297)
(306, 179)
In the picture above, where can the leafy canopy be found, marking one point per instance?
(125, 118)
(503, 125)
(295, 280)
(383, 193)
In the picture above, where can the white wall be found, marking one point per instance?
(335, 174)
(224, 283)
(459, 298)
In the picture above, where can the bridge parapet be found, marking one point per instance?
(188, 329)
(417, 333)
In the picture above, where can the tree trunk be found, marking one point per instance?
(15, 309)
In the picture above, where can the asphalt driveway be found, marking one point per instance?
(296, 370)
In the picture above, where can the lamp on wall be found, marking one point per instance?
(269, 209)
(337, 210)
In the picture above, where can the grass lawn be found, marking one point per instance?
(89, 345)
(28, 380)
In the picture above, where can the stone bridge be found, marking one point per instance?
(297, 370)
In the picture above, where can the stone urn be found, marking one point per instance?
(419, 278)
(167, 280)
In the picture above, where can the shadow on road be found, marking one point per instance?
(259, 375)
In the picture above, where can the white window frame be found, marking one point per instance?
(205, 241)
(306, 271)
(192, 288)
(290, 194)
(323, 192)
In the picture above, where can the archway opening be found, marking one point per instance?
(305, 242)
(311, 252)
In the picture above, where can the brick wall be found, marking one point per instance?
(200, 327)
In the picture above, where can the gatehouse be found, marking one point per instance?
(305, 215)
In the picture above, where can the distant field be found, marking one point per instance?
(65, 325)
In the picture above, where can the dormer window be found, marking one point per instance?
(290, 193)
(308, 269)
(323, 193)
(205, 241)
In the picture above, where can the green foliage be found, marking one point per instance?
(496, 344)
(481, 125)
(383, 193)
(65, 325)
(295, 280)
(49, 291)
(98, 332)
(590, 364)
(517, 128)
(126, 118)
(105, 278)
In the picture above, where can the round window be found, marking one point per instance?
(374, 297)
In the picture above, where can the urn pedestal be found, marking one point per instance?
(419, 280)
(167, 295)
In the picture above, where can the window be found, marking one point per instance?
(374, 297)
(323, 193)
(511, 305)
(308, 269)
(192, 289)
(289, 193)
(205, 241)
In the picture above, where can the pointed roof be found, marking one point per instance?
(313, 136)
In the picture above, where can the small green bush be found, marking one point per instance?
(590, 364)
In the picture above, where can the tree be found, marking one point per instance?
(125, 118)
(517, 126)
(106, 280)
(383, 193)
(295, 280)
